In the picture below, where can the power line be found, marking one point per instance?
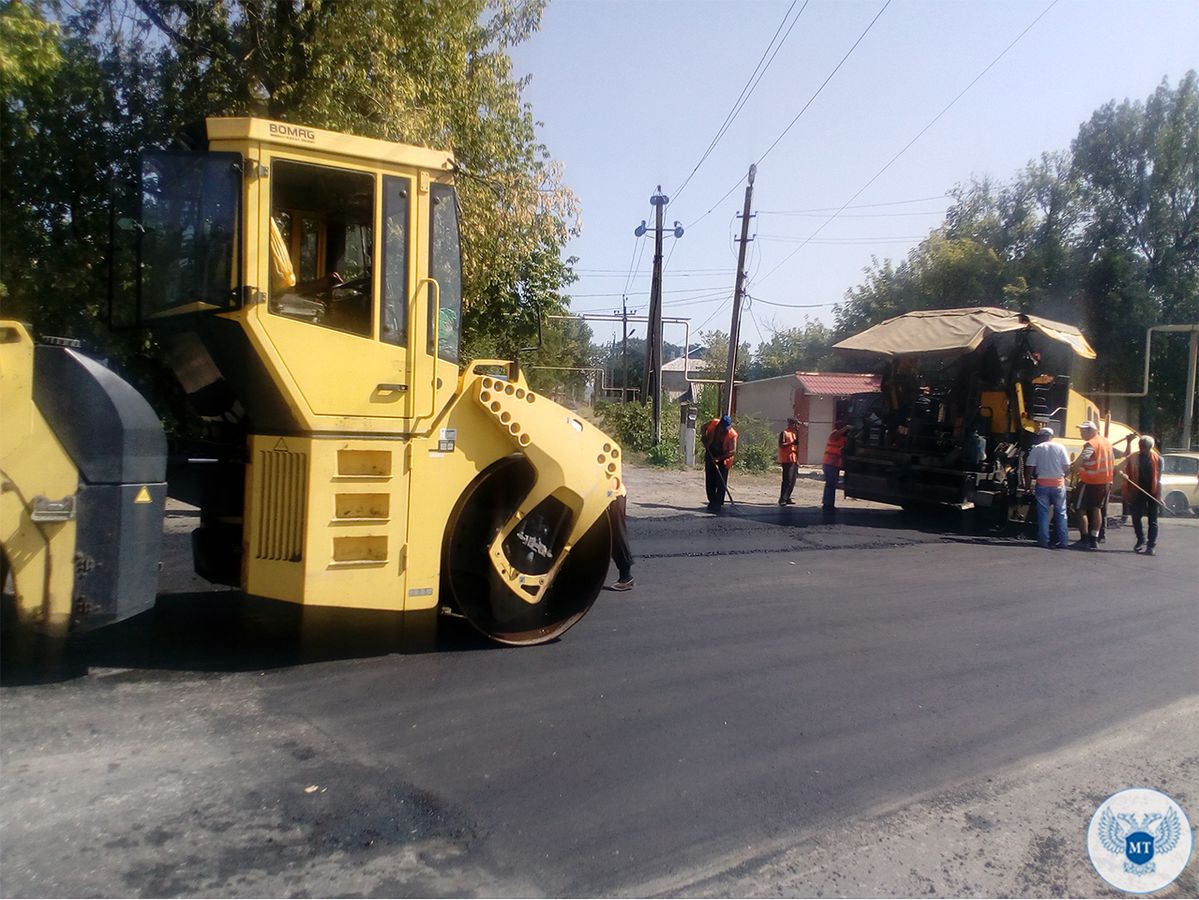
(632, 264)
(702, 288)
(750, 309)
(695, 301)
(754, 78)
(793, 239)
(800, 113)
(709, 297)
(820, 209)
(836, 68)
(606, 273)
(758, 299)
(723, 197)
(919, 134)
(817, 215)
(711, 317)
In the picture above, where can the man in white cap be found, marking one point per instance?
(1096, 465)
(1047, 465)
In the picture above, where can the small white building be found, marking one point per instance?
(818, 398)
(677, 373)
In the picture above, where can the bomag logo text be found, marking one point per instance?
(291, 131)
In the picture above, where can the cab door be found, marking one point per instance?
(436, 343)
(340, 271)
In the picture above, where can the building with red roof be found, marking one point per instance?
(817, 398)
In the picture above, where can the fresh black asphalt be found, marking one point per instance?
(773, 671)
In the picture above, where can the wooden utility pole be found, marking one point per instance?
(653, 344)
(735, 327)
(652, 383)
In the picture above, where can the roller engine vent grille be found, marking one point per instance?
(282, 487)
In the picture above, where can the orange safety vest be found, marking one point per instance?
(722, 450)
(1132, 471)
(832, 450)
(1101, 466)
(789, 447)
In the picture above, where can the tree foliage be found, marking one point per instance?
(803, 349)
(1104, 236)
(110, 76)
(565, 362)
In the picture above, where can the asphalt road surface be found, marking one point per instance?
(785, 705)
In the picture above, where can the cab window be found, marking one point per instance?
(393, 312)
(445, 265)
(322, 245)
(188, 243)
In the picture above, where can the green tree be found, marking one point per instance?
(435, 73)
(806, 348)
(1105, 236)
(1137, 166)
(566, 361)
(716, 355)
(59, 168)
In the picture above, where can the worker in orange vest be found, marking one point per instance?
(1143, 491)
(832, 464)
(720, 447)
(1095, 466)
(789, 459)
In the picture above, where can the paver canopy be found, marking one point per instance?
(951, 331)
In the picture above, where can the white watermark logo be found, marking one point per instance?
(1139, 840)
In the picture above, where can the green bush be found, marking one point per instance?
(756, 458)
(629, 423)
(665, 454)
(757, 444)
(632, 426)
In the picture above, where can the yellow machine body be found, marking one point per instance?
(313, 280)
(38, 482)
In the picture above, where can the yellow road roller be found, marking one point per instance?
(306, 289)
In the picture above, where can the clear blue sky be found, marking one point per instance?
(631, 93)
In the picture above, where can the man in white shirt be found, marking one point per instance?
(1047, 465)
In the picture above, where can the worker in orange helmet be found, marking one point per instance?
(719, 438)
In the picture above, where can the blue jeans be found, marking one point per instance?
(831, 473)
(1048, 500)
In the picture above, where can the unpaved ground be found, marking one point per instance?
(655, 492)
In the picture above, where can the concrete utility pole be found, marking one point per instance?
(624, 343)
(735, 327)
(652, 384)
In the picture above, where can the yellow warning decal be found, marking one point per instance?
(143, 496)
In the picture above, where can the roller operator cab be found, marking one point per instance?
(306, 289)
(963, 393)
